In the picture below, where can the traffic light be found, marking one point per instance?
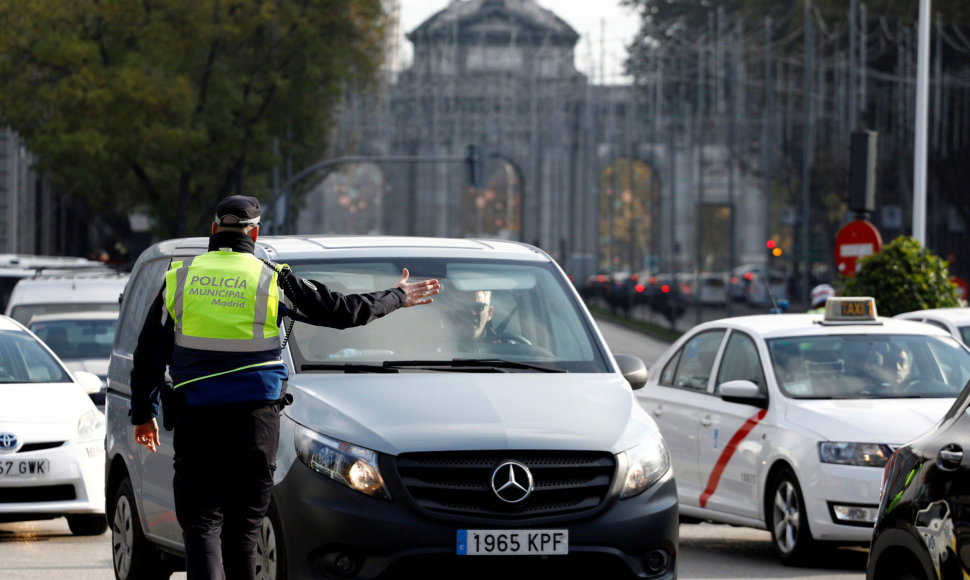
(774, 250)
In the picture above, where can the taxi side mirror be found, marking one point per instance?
(743, 392)
(90, 382)
(633, 370)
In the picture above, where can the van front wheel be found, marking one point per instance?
(133, 556)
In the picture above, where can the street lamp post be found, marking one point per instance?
(922, 117)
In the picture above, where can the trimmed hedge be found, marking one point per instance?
(903, 277)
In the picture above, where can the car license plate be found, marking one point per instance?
(512, 542)
(24, 467)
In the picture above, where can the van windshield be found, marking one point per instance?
(513, 311)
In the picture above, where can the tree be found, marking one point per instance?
(170, 105)
(903, 277)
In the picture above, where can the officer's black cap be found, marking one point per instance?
(238, 210)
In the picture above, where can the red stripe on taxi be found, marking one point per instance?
(729, 449)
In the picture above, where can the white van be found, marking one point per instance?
(528, 447)
(48, 294)
(15, 267)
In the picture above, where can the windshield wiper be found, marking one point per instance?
(496, 364)
(349, 367)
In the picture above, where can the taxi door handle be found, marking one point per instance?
(658, 410)
(706, 420)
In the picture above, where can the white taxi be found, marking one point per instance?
(51, 436)
(785, 421)
(955, 320)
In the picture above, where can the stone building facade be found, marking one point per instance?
(500, 74)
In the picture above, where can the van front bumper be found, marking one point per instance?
(331, 531)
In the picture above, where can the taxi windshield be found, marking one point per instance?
(488, 310)
(24, 360)
(869, 366)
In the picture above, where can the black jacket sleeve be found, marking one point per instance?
(149, 362)
(311, 301)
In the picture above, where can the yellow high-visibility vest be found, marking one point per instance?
(223, 301)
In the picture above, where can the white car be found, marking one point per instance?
(46, 294)
(956, 320)
(51, 436)
(82, 340)
(785, 421)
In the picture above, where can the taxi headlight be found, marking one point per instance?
(849, 453)
(346, 463)
(90, 425)
(645, 465)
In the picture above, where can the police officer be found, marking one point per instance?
(819, 296)
(228, 380)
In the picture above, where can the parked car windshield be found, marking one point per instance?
(77, 339)
(521, 312)
(869, 366)
(24, 360)
(24, 312)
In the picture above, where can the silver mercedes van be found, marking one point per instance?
(491, 430)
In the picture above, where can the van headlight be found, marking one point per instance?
(848, 453)
(346, 463)
(90, 425)
(645, 465)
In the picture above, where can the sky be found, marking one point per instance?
(605, 28)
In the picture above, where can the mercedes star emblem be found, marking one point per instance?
(512, 482)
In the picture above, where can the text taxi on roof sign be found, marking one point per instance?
(784, 421)
(852, 310)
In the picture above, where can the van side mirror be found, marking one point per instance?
(633, 370)
(743, 392)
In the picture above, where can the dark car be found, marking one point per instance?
(922, 531)
(669, 295)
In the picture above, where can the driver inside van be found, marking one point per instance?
(474, 315)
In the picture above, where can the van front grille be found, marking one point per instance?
(459, 483)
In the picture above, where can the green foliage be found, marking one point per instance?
(902, 277)
(170, 105)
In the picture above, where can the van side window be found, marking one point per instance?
(141, 290)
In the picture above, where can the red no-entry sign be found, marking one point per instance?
(857, 239)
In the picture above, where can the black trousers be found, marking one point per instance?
(225, 456)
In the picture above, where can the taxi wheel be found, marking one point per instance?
(787, 520)
(133, 556)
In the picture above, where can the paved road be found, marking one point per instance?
(45, 550)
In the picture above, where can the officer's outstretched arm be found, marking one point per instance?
(417, 292)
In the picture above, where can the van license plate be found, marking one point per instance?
(512, 542)
(24, 467)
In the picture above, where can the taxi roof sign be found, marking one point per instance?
(850, 309)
